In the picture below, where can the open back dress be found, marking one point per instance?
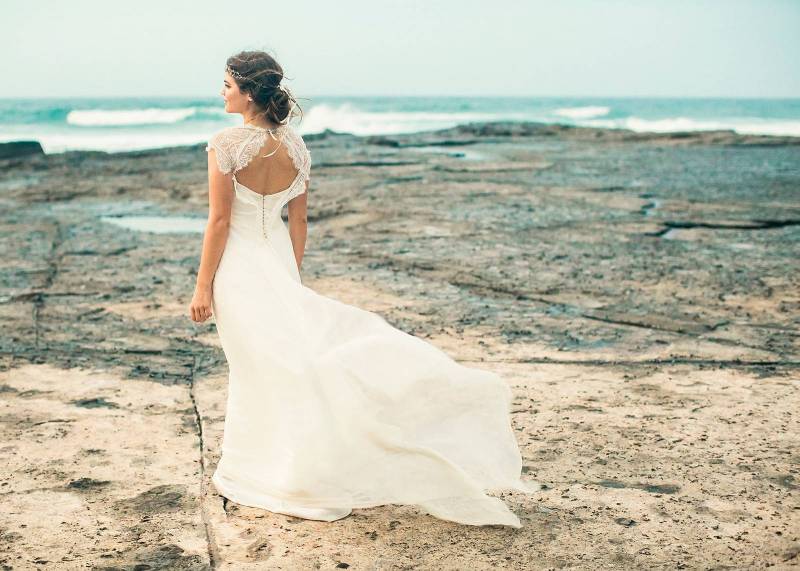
(330, 407)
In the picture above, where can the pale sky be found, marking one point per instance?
(667, 48)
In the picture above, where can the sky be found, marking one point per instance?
(593, 48)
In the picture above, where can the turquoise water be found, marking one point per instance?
(121, 124)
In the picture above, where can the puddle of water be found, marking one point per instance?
(101, 207)
(19, 183)
(466, 154)
(159, 224)
(672, 234)
(653, 205)
(470, 155)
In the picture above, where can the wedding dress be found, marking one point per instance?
(329, 406)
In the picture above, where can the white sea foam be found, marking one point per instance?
(128, 117)
(115, 141)
(148, 128)
(744, 126)
(347, 118)
(582, 112)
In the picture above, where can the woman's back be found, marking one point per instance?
(266, 161)
(270, 167)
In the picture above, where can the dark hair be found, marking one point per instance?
(261, 75)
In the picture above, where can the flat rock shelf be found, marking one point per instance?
(639, 292)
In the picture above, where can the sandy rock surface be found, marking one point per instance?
(639, 292)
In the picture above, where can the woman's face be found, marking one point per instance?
(235, 100)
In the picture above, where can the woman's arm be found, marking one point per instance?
(298, 225)
(220, 200)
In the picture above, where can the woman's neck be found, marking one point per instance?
(263, 125)
(270, 127)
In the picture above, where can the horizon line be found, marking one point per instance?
(434, 96)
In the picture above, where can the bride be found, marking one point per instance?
(329, 407)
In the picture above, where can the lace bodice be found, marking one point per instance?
(254, 213)
(235, 147)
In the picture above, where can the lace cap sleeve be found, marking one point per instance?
(301, 157)
(224, 150)
(306, 162)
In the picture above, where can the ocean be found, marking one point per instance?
(124, 124)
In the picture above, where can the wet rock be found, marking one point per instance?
(16, 149)
(163, 557)
(611, 484)
(87, 484)
(160, 499)
(95, 403)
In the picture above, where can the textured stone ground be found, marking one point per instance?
(639, 293)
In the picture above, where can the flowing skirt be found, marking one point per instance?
(331, 408)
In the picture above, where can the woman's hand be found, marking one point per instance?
(200, 307)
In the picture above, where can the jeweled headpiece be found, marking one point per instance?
(234, 73)
(238, 75)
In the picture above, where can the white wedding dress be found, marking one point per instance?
(329, 406)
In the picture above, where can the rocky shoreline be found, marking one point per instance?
(639, 291)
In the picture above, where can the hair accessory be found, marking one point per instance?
(234, 73)
(238, 75)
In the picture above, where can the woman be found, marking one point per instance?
(329, 407)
